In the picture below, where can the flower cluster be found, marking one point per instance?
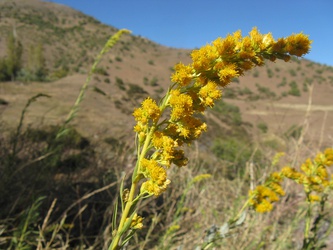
(264, 195)
(195, 88)
(313, 175)
(137, 222)
(156, 177)
(149, 111)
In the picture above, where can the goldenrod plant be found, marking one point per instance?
(165, 127)
(312, 175)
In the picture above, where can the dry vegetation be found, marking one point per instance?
(59, 193)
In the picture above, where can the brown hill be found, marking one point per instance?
(276, 95)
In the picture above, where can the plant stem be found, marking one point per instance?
(115, 241)
(129, 203)
(306, 242)
(135, 178)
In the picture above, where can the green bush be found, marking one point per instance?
(154, 82)
(292, 72)
(283, 83)
(262, 126)
(270, 73)
(294, 90)
(135, 89)
(229, 93)
(236, 153)
(120, 84)
(245, 91)
(101, 71)
(229, 112)
(265, 92)
(145, 80)
(294, 131)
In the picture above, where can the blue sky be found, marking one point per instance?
(193, 23)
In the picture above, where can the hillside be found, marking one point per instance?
(276, 94)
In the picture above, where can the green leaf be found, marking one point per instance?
(224, 229)
(241, 219)
(114, 216)
(127, 238)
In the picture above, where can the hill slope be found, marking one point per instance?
(275, 95)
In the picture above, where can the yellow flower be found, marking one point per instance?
(298, 44)
(288, 172)
(246, 49)
(307, 167)
(137, 222)
(314, 198)
(148, 111)
(209, 93)
(165, 146)
(227, 73)
(151, 110)
(280, 46)
(277, 158)
(263, 196)
(315, 175)
(267, 41)
(183, 74)
(276, 187)
(329, 157)
(325, 158)
(225, 47)
(152, 188)
(264, 206)
(156, 176)
(181, 104)
(204, 57)
(256, 37)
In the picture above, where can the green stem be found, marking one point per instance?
(135, 179)
(307, 224)
(125, 214)
(116, 239)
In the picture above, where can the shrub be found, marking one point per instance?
(255, 73)
(229, 93)
(270, 73)
(154, 82)
(236, 152)
(292, 72)
(229, 111)
(135, 90)
(101, 71)
(262, 126)
(294, 90)
(120, 84)
(265, 92)
(283, 83)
